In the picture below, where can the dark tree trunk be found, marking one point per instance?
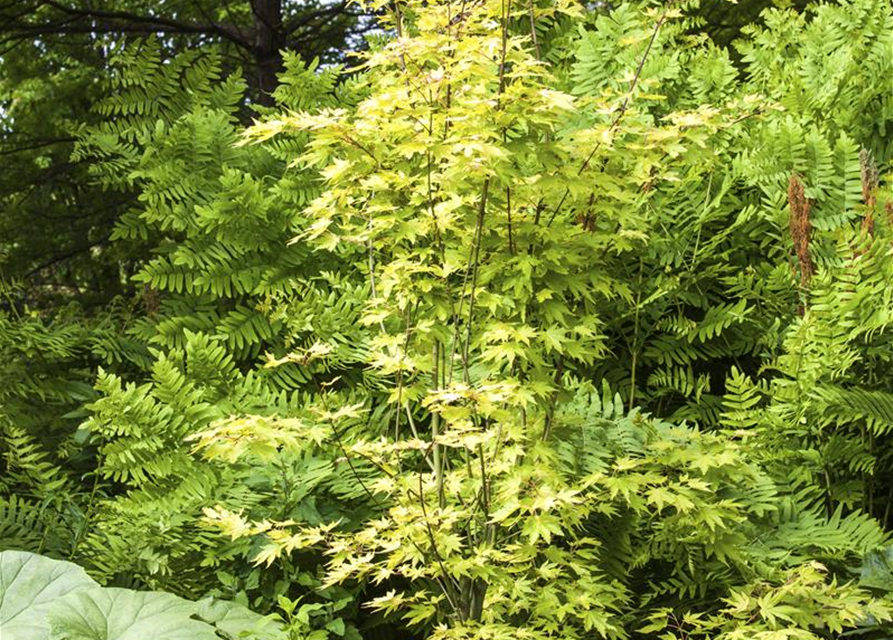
(268, 45)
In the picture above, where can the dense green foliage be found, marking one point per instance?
(539, 322)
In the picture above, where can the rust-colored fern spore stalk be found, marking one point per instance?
(801, 228)
(151, 300)
(869, 185)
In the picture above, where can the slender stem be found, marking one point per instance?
(435, 432)
(474, 277)
(448, 579)
(553, 398)
(340, 443)
(623, 107)
(635, 345)
(88, 514)
(536, 44)
(508, 215)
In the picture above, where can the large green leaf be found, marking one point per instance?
(121, 614)
(45, 599)
(29, 585)
(233, 621)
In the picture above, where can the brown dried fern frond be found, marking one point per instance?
(869, 173)
(801, 228)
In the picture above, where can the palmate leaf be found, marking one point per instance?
(29, 586)
(234, 621)
(44, 599)
(121, 614)
(876, 570)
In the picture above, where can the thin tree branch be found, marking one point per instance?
(67, 255)
(308, 18)
(36, 145)
(623, 107)
(105, 21)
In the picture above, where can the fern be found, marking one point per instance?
(20, 525)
